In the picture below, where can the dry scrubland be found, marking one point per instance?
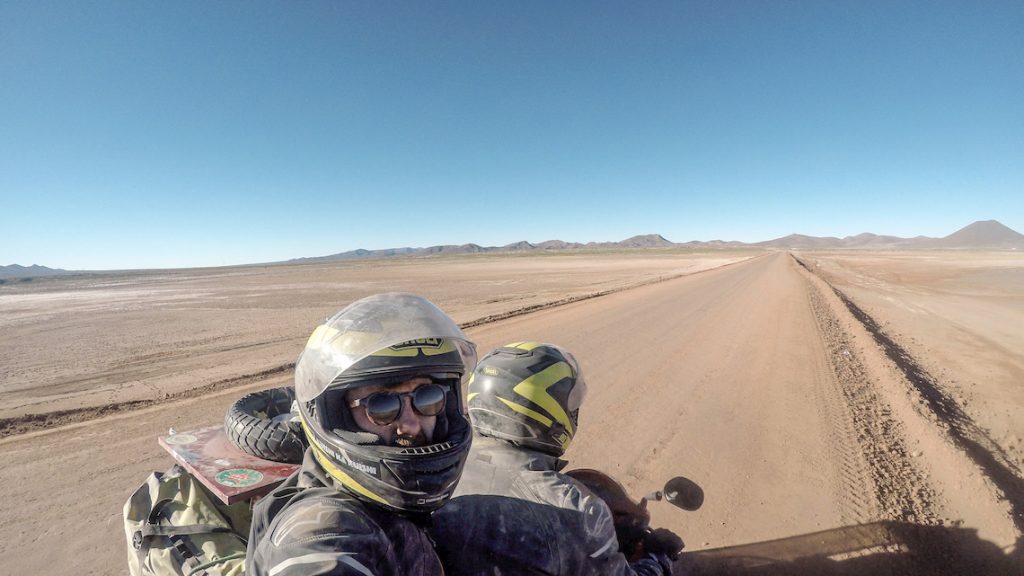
(77, 342)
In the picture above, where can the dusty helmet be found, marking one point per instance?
(528, 393)
(385, 340)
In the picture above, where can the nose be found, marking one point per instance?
(408, 421)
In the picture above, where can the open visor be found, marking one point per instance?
(367, 326)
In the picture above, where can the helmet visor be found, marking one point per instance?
(366, 326)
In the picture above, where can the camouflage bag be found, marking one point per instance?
(174, 526)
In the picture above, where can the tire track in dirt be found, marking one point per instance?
(946, 413)
(853, 487)
(901, 491)
(34, 422)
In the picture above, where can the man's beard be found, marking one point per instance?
(407, 441)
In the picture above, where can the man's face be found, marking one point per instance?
(410, 428)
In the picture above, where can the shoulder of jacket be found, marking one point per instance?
(573, 490)
(597, 515)
(322, 515)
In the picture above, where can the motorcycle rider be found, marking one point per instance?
(513, 511)
(378, 388)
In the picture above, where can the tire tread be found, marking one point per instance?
(263, 437)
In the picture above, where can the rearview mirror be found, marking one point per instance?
(684, 493)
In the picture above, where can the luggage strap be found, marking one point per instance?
(143, 538)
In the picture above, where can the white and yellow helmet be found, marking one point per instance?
(385, 340)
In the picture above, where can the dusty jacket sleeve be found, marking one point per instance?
(321, 536)
(602, 546)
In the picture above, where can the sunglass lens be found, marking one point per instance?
(429, 399)
(384, 408)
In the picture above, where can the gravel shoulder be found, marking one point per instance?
(930, 462)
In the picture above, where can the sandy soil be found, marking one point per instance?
(756, 379)
(960, 315)
(69, 343)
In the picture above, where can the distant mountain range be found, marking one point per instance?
(983, 235)
(33, 271)
(987, 234)
(644, 241)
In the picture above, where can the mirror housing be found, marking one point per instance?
(684, 493)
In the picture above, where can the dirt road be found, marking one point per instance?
(745, 378)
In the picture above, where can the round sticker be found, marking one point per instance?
(239, 477)
(180, 439)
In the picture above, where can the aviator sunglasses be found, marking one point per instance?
(383, 408)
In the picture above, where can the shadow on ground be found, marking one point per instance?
(880, 549)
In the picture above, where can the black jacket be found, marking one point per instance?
(306, 526)
(513, 513)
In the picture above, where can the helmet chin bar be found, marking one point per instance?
(413, 480)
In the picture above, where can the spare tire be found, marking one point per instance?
(259, 424)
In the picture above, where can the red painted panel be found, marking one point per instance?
(232, 475)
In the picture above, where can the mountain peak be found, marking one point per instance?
(647, 241)
(984, 234)
(19, 271)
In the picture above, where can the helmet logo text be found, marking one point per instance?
(419, 343)
(365, 468)
(342, 458)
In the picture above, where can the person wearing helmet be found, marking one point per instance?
(379, 394)
(513, 511)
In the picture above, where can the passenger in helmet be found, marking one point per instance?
(379, 394)
(514, 512)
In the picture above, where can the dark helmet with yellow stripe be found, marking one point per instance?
(528, 393)
(385, 340)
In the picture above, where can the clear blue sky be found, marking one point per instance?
(164, 134)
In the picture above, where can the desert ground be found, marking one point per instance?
(101, 341)
(960, 316)
(845, 412)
